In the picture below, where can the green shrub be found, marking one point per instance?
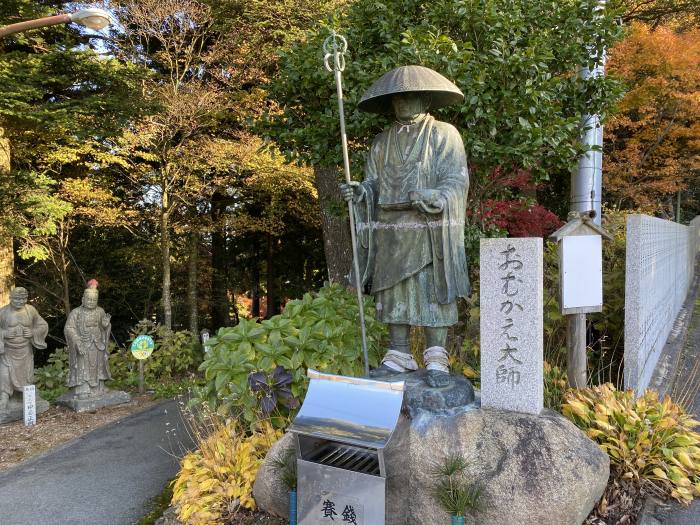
(320, 331)
(50, 379)
(606, 357)
(174, 356)
(555, 386)
(652, 444)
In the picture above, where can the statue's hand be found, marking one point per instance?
(428, 201)
(105, 320)
(26, 332)
(352, 192)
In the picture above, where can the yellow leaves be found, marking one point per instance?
(649, 440)
(220, 475)
(653, 132)
(659, 473)
(469, 372)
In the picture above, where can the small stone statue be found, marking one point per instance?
(411, 211)
(87, 333)
(21, 331)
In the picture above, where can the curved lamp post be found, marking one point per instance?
(95, 19)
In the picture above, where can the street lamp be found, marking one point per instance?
(93, 18)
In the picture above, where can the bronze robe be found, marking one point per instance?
(17, 351)
(415, 261)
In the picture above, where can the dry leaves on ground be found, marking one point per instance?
(56, 426)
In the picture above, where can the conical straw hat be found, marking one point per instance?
(410, 79)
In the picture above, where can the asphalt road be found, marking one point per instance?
(676, 514)
(105, 477)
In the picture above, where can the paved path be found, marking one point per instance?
(687, 381)
(105, 477)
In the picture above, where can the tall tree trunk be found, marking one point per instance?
(65, 285)
(270, 307)
(166, 299)
(336, 226)
(7, 257)
(64, 266)
(192, 284)
(255, 285)
(220, 314)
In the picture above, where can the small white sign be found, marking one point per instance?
(581, 274)
(205, 338)
(29, 397)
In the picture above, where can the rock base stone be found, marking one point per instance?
(532, 469)
(15, 409)
(88, 404)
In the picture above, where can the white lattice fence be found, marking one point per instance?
(659, 271)
(694, 234)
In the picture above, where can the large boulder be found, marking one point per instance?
(271, 495)
(532, 469)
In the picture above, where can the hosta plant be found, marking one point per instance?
(651, 442)
(251, 361)
(555, 386)
(217, 479)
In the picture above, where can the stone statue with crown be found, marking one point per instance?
(411, 212)
(87, 332)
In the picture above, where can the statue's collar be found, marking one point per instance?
(405, 125)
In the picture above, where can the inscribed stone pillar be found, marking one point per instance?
(511, 275)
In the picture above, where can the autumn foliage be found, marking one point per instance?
(653, 142)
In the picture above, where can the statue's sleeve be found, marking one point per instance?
(3, 328)
(71, 330)
(451, 163)
(365, 210)
(40, 329)
(106, 330)
(450, 263)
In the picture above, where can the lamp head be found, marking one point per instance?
(92, 18)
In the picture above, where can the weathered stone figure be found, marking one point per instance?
(411, 212)
(87, 333)
(21, 331)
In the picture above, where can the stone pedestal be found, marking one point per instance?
(420, 398)
(15, 409)
(532, 469)
(87, 404)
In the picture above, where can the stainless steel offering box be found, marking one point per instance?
(341, 432)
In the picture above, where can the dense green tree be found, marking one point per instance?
(63, 103)
(516, 62)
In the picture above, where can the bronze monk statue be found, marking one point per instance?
(411, 212)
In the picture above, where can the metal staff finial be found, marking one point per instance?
(335, 47)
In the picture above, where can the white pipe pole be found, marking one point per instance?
(586, 197)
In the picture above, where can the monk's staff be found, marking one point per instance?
(335, 47)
